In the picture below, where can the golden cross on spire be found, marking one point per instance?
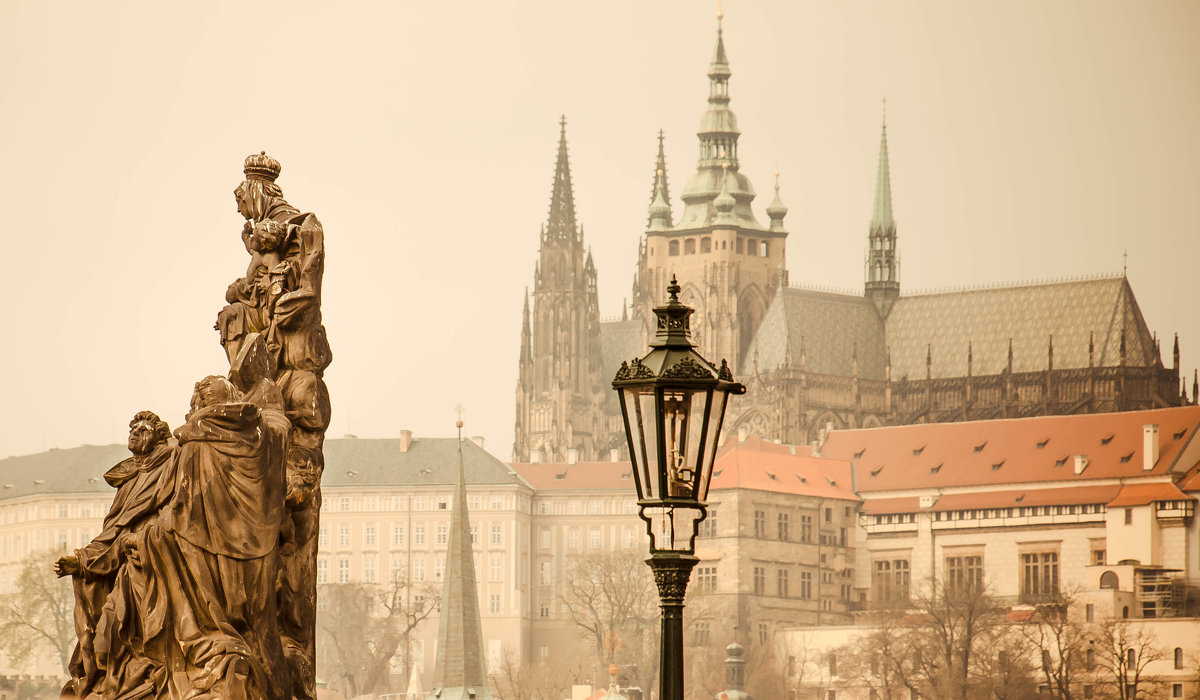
(720, 14)
(459, 410)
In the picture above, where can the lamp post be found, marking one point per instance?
(673, 402)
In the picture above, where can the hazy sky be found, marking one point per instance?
(1028, 140)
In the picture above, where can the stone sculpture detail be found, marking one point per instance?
(203, 582)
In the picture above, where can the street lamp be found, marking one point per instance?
(673, 402)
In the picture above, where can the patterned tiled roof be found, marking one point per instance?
(831, 326)
(944, 324)
(828, 326)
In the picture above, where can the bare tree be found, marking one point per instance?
(880, 660)
(39, 616)
(1125, 649)
(1060, 640)
(611, 597)
(360, 627)
(512, 680)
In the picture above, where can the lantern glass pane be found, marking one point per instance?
(640, 400)
(680, 419)
(672, 528)
(715, 416)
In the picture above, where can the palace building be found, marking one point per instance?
(813, 360)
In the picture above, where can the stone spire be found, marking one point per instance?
(718, 137)
(883, 268)
(561, 223)
(460, 670)
(660, 189)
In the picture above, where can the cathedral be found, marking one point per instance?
(813, 361)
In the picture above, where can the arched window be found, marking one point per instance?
(1178, 658)
(763, 245)
(706, 245)
(689, 246)
(1109, 581)
(673, 248)
(1125, 611)
(750, 246)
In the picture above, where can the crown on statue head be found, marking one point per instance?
(261, 166)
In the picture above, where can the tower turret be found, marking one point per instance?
(883, 268)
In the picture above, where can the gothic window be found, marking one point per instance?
(751, 246)
(763, 246)
(689, 246)
(673, 248)
(706, 245)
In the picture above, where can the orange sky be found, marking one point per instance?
(1028, 140)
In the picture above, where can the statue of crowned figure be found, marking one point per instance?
(202, 583)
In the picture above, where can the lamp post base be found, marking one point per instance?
(671, 575)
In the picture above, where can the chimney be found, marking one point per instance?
(1149, 446)
(405, 440)
(614, 455)
(478, 440)
(1081, 463)
(572, 455)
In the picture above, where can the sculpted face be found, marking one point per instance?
(245, 203)
(142, 439)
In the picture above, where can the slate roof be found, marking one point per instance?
(348, 463)
(1030, 314)
(828, 326)
(620, 341)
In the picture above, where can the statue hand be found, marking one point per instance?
(67, 566)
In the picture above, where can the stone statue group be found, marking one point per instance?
(202, 583)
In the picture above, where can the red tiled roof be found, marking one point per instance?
(750, 464)
(1010, 451)
(1013, 498)
(1141, 494)
(885, 506)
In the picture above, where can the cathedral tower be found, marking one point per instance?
(883, 265)
(560, 386)
(729, 264)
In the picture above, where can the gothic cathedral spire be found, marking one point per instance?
(560, 391)
(883, 267)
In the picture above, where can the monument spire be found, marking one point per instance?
(460, 669)
(660, 188)
(561, 222)
(883, 267)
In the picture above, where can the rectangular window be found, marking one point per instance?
(544, 538)
(806, 585)
(370, 504)
(397, 502)
(418, 569)
(1039, 579)
(419, 503)
(708, 526)
(369, 569)
(474, 533)
(706, 579)
(763, 633)
(806, 528)
(890, 581)
(344, 503)
(781, 583)
(964, 573)
(419, 534)
(543, 609)
(573, 538)
(368, 535)
(760, 580)
(323, 538)
(439, 567)
(702, 633)
(322, 571)
(545, 573)
(783, 527)
(828, 515)
(494, 568)
(629, 535)
(397, 535)
(760, 523)
(1099, 557)
(594, 538)
(494, 603)
(343, 571)
(344, 536)
(496, 534)
(1128, 516)
(442, 530)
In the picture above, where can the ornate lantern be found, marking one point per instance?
(673, 402)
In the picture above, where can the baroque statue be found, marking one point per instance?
(202, 583)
